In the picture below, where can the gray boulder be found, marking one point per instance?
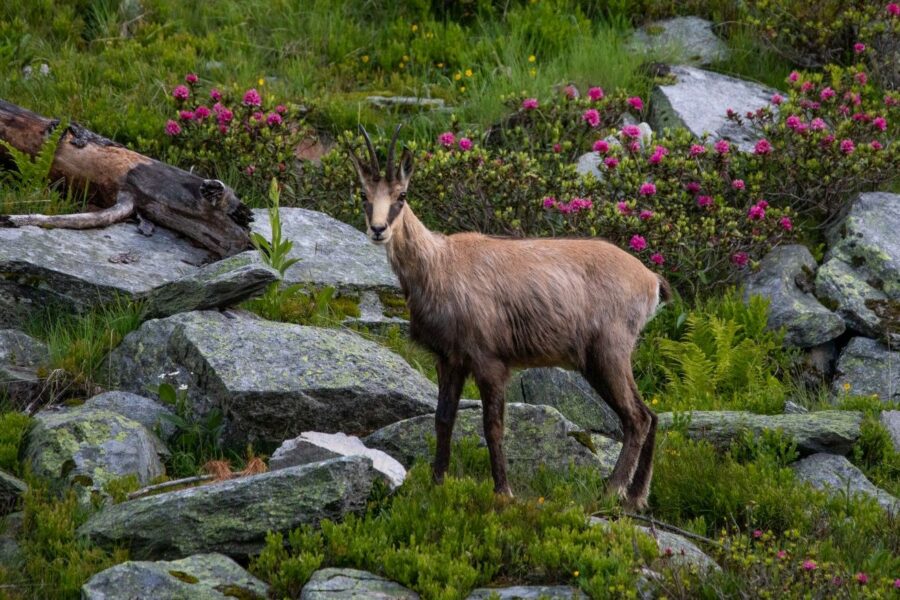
(866, 367)
(331, 253)
(79, 269)
(87, 448)
(21, 357)
(11, 489)
(891, 421)
(833, 431)
(535, 436)
(406, 102)
(273, 380)
(353, 584)
(312, 446)
(569, 393)
(699, 101)
(808, 323)
(147, 412)
(861, 274)
(528, 592)
(11, 555)
(690, 38)
(838, 475)
(200, 577)
(233, 516)
(674, 550)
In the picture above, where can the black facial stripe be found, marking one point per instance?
(396, 207)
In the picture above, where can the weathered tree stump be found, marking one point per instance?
(121, 182)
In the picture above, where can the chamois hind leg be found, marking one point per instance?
(451, 379)
(610, 376)
(639, 489)
(491, 380)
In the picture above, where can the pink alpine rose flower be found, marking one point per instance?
(465, 144)
(756, 213)
(859, 48)
(692, 186)
(595, 93)
(704, 201)
(738, 184)
(762, 147)
(786, 223)
(861, 78)
(637, 243)
(697, 149)
(549, 202)
(601, 146)
(281, 109)
(224, 116)
(847, 146)
(181, 92)
(880, 123)
(447, 139)
(862, 578)
(529, 103)
(636, 103)
(172, 128)
(252, 98)
(273, 119)
(645, 215)
(794, 76)
(191, 78)
(557, 148)
(631, 131)
(623, 208)
(740, 259)
(592, 117)
(215, 94)
(809, 565)
(611, 162)
(186, 115)
(657, 258)
(201, 112)
(258, 116)
(722, 147)
(647, 189)
(818, 124)
(893, 9)
(777, 99)
(875, 145)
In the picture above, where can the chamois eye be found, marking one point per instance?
(401, 197)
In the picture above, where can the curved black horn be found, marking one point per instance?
(373, 158)
(390, 156)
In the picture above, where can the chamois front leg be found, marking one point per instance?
(492, 384)
(450, 384)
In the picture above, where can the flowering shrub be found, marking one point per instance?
(814, 34)
(216, 132)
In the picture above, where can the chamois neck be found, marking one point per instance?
(413, 250)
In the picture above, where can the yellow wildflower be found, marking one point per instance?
(532, 58)
(440, 65)
(847, 387)
(575, 573)
(261, 81)
(365, 58)
(468, 72)
(541, 500)
(405, 58)
(457, 76)
(414, 28)
(462, 88)
(533, 72)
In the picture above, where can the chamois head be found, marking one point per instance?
(384, 196)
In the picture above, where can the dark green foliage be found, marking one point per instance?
(196, 440)
(13, 429)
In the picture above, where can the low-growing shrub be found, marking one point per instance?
(13, 429)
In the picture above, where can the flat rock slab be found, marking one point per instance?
(867, 367)
(331, 253)
(21, 357)
(88, 448)
(699, 101)
(528, 592)
(273, 381)
(833, 431)
(313, 446)
(838, 476)
(353, 584)
(569, 393)
(233, 517)
(863, 265)
(692, 38)
(807, 321)
(81, 269)
(535, 436)
(199, 577)
(891, 421)
(149, 413)
(674, 549)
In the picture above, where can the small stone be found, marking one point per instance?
(792, 408)
(21, 358)
(691, 38)
(528, 592)
(353, 584)
(839, 476)
(891, 421)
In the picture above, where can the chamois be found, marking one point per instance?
(484, 305)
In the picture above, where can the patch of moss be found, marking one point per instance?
(185, 577)
(394, 305)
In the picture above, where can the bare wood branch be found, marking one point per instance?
(121, 210)
(169, 484)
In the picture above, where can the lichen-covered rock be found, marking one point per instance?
(891, 421)
(312, 446)
(677, 105)
(691, 38)
(11, 555)
(331, 252)
(11, 489)
(569, 393)
(80, 268)
(674, 550)
(839, 476)
(233, 516)
(147, 412)
(199, 577)
(20, 358)
(867, 367)
(832, 431)
(535, 436)
(528, 592)
(220, 284)
(273, 380)
(353, 584)
(862, 268)
(372, 315)
(88, 448)
(807, 322)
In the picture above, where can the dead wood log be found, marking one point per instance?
(122, 182)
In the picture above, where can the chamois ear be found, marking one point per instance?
(406, 165)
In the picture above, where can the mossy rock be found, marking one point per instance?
(867, 367)
(200, 577)
(346, 584)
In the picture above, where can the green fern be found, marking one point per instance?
(33, 173)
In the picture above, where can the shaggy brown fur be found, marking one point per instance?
(485, 305)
